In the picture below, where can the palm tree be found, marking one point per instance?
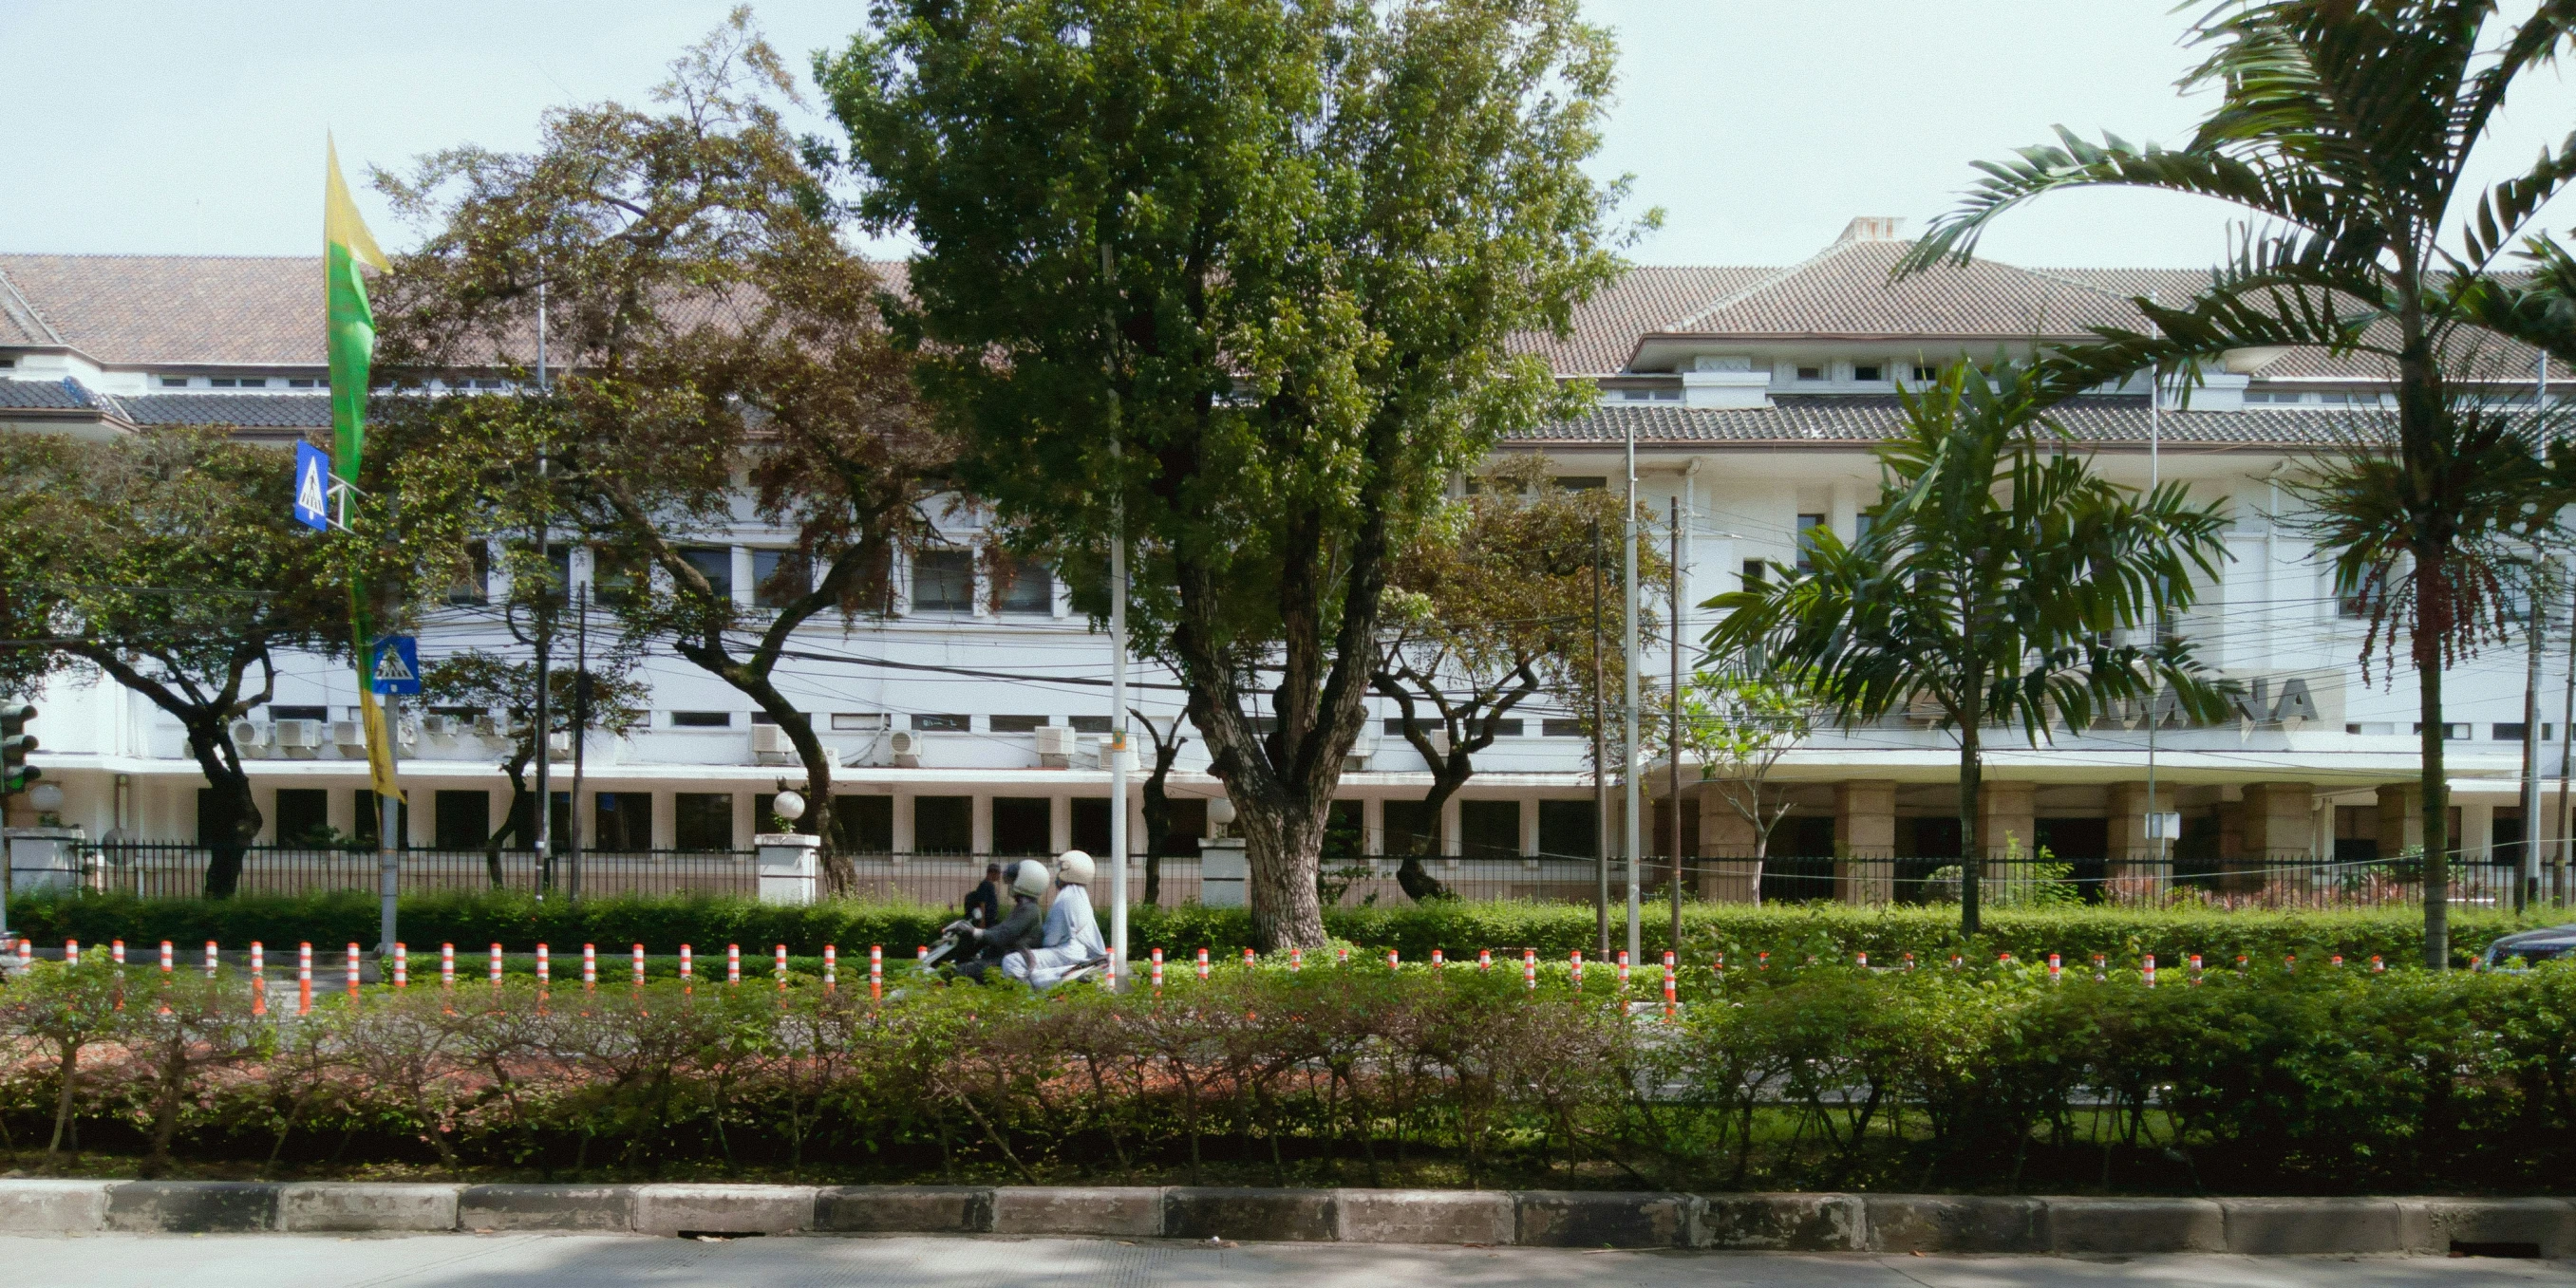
(2343, 128)
(1991, 587)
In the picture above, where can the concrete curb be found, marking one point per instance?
(1884, 1223)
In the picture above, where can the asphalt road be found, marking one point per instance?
(599, 1261)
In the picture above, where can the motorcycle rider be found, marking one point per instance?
(1016, 933)
(1071, 937)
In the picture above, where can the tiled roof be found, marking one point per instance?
(19, 321)
(1646, 298)
(246, 411)
(1845, 291)
(175, 309)
(50, 395)
(1869, 420)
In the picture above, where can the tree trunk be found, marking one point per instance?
(1283, 848)
(517, 768)
(1972, 863)
(236, 818)
(2437, 813)
(1158, 824)
(1447, 776)
(838, 876)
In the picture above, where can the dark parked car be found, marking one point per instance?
(2532, 946)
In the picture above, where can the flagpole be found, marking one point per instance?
(543, 842)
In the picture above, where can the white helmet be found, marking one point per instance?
(1073, 867)
(1030, 878)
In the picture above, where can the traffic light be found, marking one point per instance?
(15, 742)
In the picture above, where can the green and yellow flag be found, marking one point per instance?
(350, 330)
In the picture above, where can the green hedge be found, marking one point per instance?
(1457, 927)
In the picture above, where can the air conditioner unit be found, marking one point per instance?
(249, 738)
(437, 726)
(770, 740)
(486, 727)
(297, 735)
(905, 747)
(1095, 752)
(1055, 746)
(347, 734)
(1361, 754)
(559, 745)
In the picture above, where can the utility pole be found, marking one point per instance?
(545, 565)
(2566, 755)
(1673, 714)
(2526, 888)
(1600, 764)
(580, 732)
(1631, 838)
(1118, 660)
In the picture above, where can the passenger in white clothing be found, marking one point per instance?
(1071, 937)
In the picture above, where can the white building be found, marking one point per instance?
(1753, 394)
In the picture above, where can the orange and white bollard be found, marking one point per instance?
(2335, 961)
(1484, 959)
(2056, 971)
(1248, 957)
(831, 968)
(1296, 960)
(1671, 994)
(402, 966)
(876, 971)
(2290, 962)
(1762, 961)
(1158, 970)
(1437, 962)
(1390, 959)
(1342, 956)
(26, 951)
(688, 968)
(258, 980)
(2101, 967)
(2148, 972)
(447, 966)
(116, 951)
(921, 954)
(353, 972)
(545, 968)
(496, 966)
(636, 955)
(1623, 970)
(1574, 967)
(733, 963)
(211, 959)
(780, 969)
(2377, 967)
(1909, 961)
(2195, 968)
(589, 968)
(304, 978)
(1203, 965)
(1529, 969)
(71, 952)
(169, 959)
(1861, 960)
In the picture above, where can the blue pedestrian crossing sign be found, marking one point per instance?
(312, 487)
(397, 666)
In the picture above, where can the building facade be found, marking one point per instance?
(969, 721)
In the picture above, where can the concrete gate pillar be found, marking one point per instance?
(1865, 838)
(1726, 874)
(2007, 812)
(2401, 819)
(2140, 866)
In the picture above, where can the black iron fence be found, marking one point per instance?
(170, 870)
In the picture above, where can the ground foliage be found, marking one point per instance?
(1823, 1075)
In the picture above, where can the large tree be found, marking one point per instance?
(711, 336)
(1491, 607)
(1994, 586)
(1235, 282)
(169, 561)
(2345, 129)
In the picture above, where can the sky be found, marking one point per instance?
(1758, 127)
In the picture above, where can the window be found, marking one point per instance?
(369, 816)
(1189, 827)
(943, 724)
(523, 830)
(298, 713)
(1568, 829)
(1026, 587)
(254, 382)
(1926, 375)
(2450, 732)
(1023, 825)
(1869, 371)
(471, 582)
(857, 721)
(615, 572)
(621, 821)
(174, 382)
(223, 382)
(1091, 825)
(301, 382)
(701, 719)
(1861, 524)
(1090, 724)
(702, 820)
(943, 824)
(2511, 732)
(1489, 829)
(1582, 482)
(763, 718)
(1754, 575)
(1018, 724)
(864, 824)
(303, 815)
(1345, 830)
(943, 581)
(1807, 525)
(779, 577)
(1811, 373)
(1560, 727)
(1504, 728)
(715, 563)
(1410, 829)
(462, 820)
(7, 362)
